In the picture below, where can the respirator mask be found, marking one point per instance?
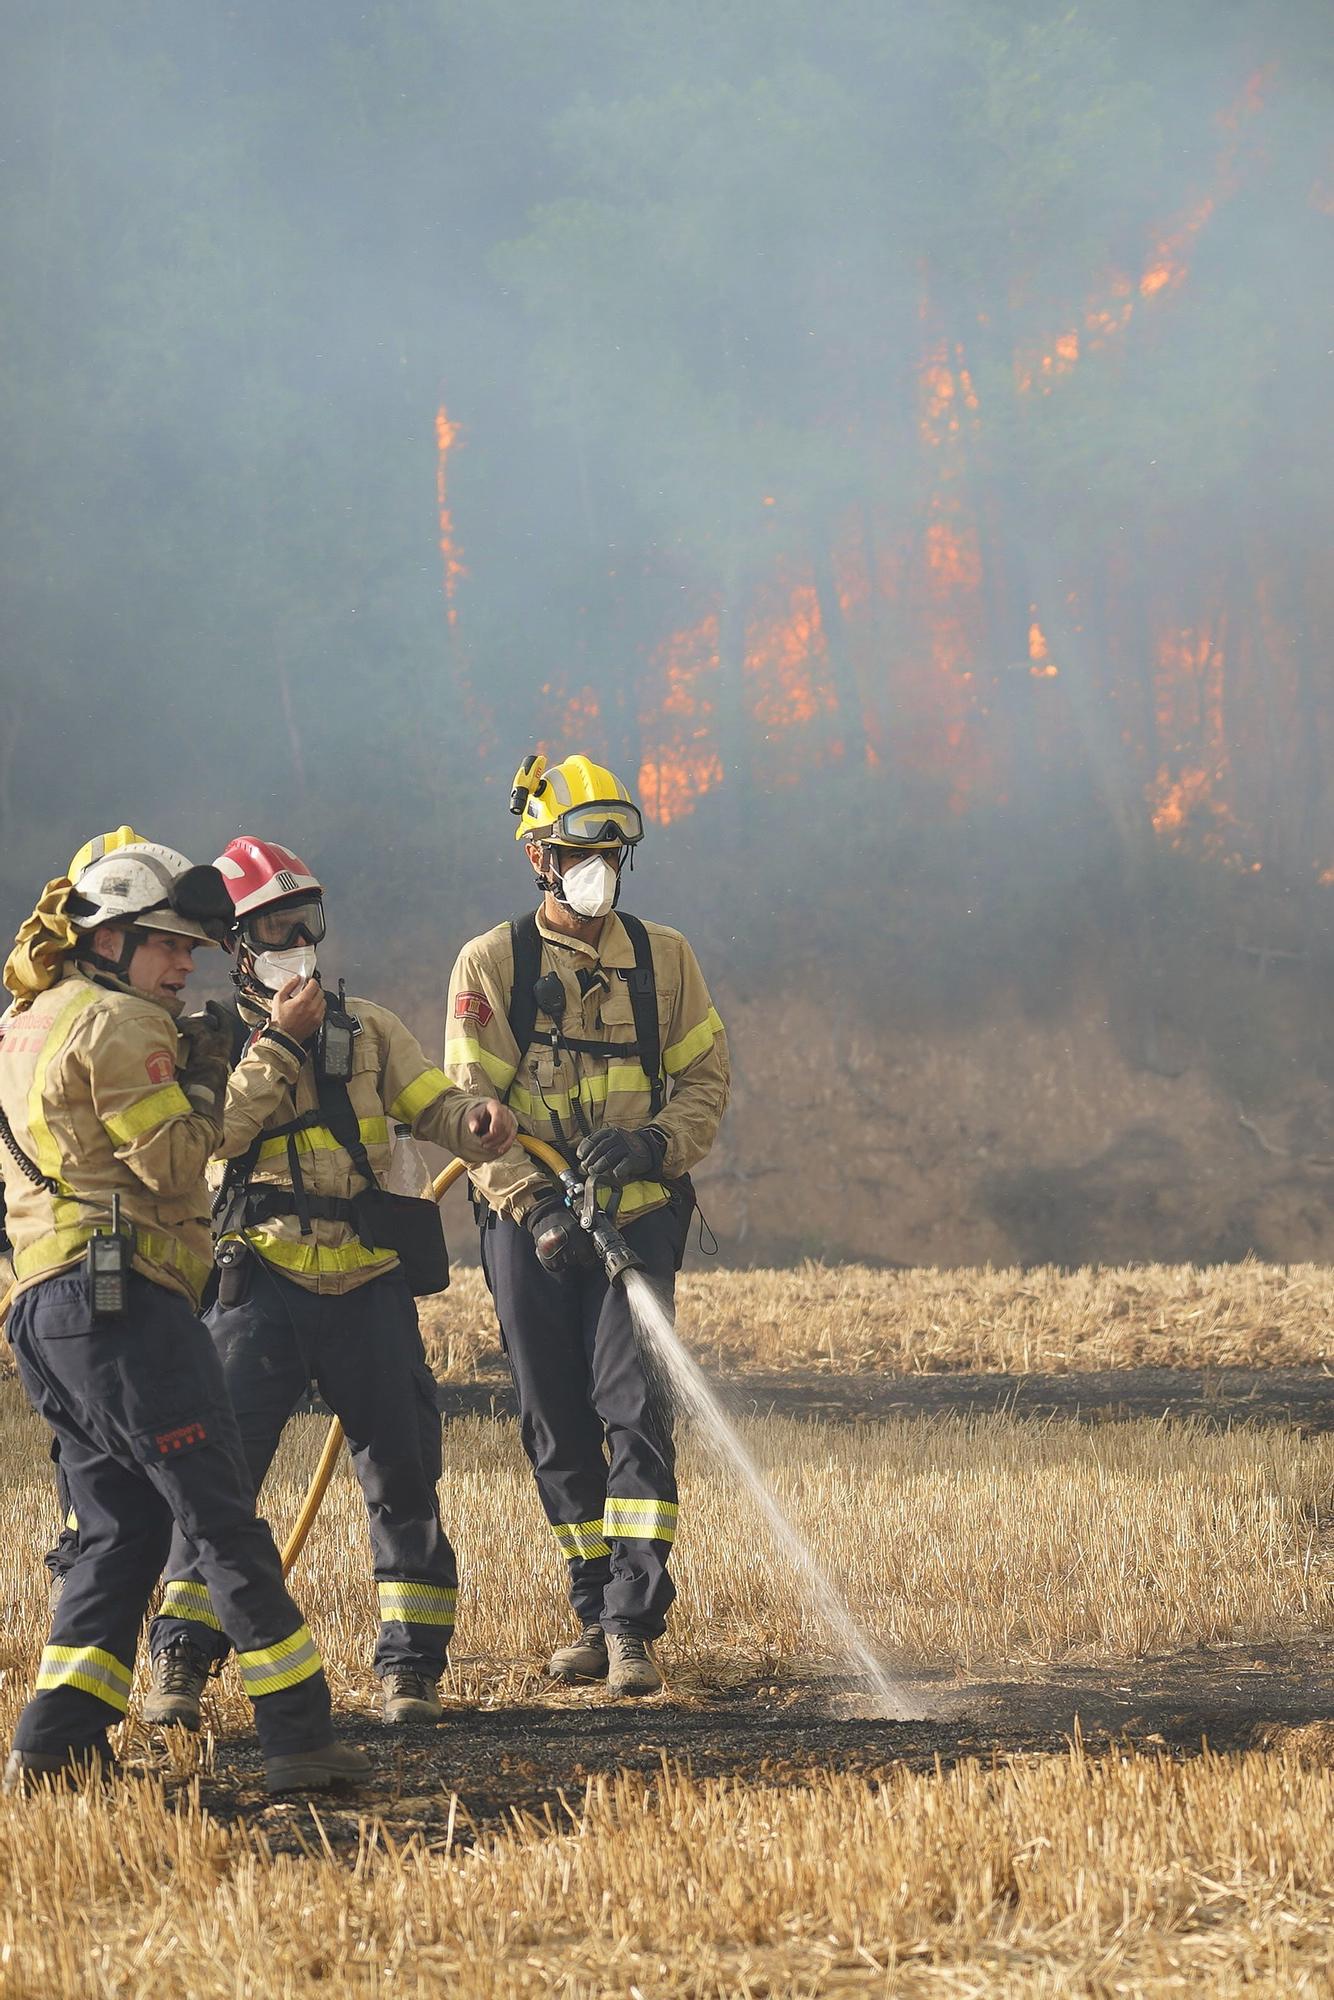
(591, 887)
(273, 969)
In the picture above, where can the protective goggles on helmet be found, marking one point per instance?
(200, 897)
(596, 824)
(284, 925)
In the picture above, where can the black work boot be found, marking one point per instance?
(317, 1770)
(631, 1667)
(406, 1696)
(585, 1659)
(27, 1770)
(179, 1674)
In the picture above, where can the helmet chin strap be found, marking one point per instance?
(131, 938)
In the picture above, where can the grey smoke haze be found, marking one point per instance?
(664, 266)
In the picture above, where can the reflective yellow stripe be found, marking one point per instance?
(72, 1522)
(319, 1139)
(315, 1258)
(62, 1246)
(580, 1538)
(639, 1520)
(416, 1604)
(270, 1668)
(41, 1144)
(694, 1044)
(192, 1601)
(464, 1049)
(592, 1090)
(634, 1196)
(155, 1109)
(410, 1103)
(89, 1669)
(49, 1252)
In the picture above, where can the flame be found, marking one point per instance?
(778, 652)
(1042, 667)
(946, 388)
(447, 436)
(683, 764)
(1191, 779)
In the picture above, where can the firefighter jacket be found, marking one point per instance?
(558, 1095)
(391, 1084)
(88, 1083)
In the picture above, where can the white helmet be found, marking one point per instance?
(155, 889)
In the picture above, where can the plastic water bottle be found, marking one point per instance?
(408, 1171)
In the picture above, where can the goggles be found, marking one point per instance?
(284, 925)
(598, 824)
(199, 896)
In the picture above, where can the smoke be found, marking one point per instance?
(894, 438)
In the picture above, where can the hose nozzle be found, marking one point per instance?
(614, 1253)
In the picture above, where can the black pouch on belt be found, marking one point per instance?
(233, 1260)
(411, 1227)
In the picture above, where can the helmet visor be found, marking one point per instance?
(597, 824)
(283, 925)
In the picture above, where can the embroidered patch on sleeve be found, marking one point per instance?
(473, 1007)
(161, 1066)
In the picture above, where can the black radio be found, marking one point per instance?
(108, 1266)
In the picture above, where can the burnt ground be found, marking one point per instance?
(1301, 1398)
(480, 1766)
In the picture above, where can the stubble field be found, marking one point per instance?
(1111, 1625)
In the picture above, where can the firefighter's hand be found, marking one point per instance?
(562, 1246)
(298, 1008)
(616, 1155)
(205, 1037)
(494, 1126)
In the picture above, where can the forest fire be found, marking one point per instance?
(903, 640)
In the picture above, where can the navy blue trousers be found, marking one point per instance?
(595, 1427)
(364, 1352)
(148, 1442)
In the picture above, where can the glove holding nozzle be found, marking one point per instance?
(562, 1246)
(614, 1154)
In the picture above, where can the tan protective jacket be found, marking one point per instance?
(88, 1083)
(391, 1084)
(481, 1053)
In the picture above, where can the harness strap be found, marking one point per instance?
(526, 946)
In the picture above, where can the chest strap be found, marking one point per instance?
(526, 944)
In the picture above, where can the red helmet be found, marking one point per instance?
(259, 875)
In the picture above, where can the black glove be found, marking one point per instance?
(562, 1246)
(613, 1154)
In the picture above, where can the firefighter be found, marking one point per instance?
(600, 1031)
(311, 1289)
(109, 1116)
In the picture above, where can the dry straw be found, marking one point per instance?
(847, 1319)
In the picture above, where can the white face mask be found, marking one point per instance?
(590, 886)
(274, 968)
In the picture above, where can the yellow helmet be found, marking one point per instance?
(575, 803)
(104, 843)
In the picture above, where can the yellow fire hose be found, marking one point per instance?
(333, 1443)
